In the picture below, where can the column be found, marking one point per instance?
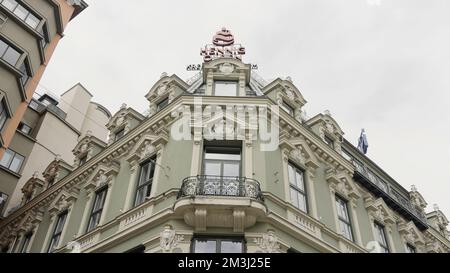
(196, 152)
(311, 194)
(333, 204)
(248, 155)
(158, 167)
(355, 223)
(285, 159)
(107, 200)
(134, 166)
(388, 231)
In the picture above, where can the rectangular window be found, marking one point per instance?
(12, 161)
(144, 187)
(297, 188)
(329, 142)
(286, 107)
(3, 115)
(213, 245)
(344, 218)
(410, 248)
(222, 161)
(24, 128)
(162, 104)
(97, 209)
(25, 73)
(381, 238)
(33, 105)
(22, 12)
(57, 232)
(26, 242)
(120, 134)
(225, 88)
(11, 56)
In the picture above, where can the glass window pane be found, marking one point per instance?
(231, 247)
(9, 4)
(299, 180)
(32, 21)
(294, 197)
(3, 47)
(225, 89)
(231, 169)
(205, 246)
(213, 168)
(11, 56)
(140, 196)
(16, 163)
(7, 157)
(302, 202)
(222, 156)
(291, 172)
(21, 12)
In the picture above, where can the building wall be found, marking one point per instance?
(28, 39)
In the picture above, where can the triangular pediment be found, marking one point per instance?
(380, 211)
(326, 122)
(143, 148)
(101, 175)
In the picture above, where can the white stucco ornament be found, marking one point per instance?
(148, 149)
(268, 243)
(162, 89)
(226, 68)
(290, 94)
(169, 239)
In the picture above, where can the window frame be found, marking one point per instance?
(381, 230)
(82, 160)
(119, 134)
(294, 187)
(221, 149)
(148, 183)
(410, 248)
(287, 108)
(56, 235)
(4, 113)
(342, 201)
(236, 83)
(219, 240)
(8, 167)
(162, 104)
(99, 211)
(22, 125)
(24, 245)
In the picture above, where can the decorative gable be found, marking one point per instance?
(125, 120)
(102, 175)
(327, 129)
(166, 88)
(379, 211)
(284, 92)
(31, 188)
(342, 183)
(55, 171)
(87, 148)
(411, 234)
(417, 199)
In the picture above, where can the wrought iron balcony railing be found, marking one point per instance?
(206, 185)
(394, 197)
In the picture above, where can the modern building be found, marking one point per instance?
(30, 30)
(224, 162)
(49, 130)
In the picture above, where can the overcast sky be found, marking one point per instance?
(382, 65)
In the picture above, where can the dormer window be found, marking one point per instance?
(225, 88)
(286, 107)
(329, 142)
(162, 104)
(120, 134)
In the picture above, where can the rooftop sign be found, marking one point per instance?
(223, 46)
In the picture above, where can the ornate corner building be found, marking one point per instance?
(225, 162)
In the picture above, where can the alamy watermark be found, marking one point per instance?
(229, 122)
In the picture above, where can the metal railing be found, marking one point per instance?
(206, 185)
(401, 200)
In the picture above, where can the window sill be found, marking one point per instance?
(17, 175)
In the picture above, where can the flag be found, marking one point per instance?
(362, 143)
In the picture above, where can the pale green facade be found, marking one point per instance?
(171, 218)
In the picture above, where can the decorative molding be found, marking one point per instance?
(268, 242)
(169, 239)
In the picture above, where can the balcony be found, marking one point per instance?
(205, 185)
(392, 197)
(220, 201)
